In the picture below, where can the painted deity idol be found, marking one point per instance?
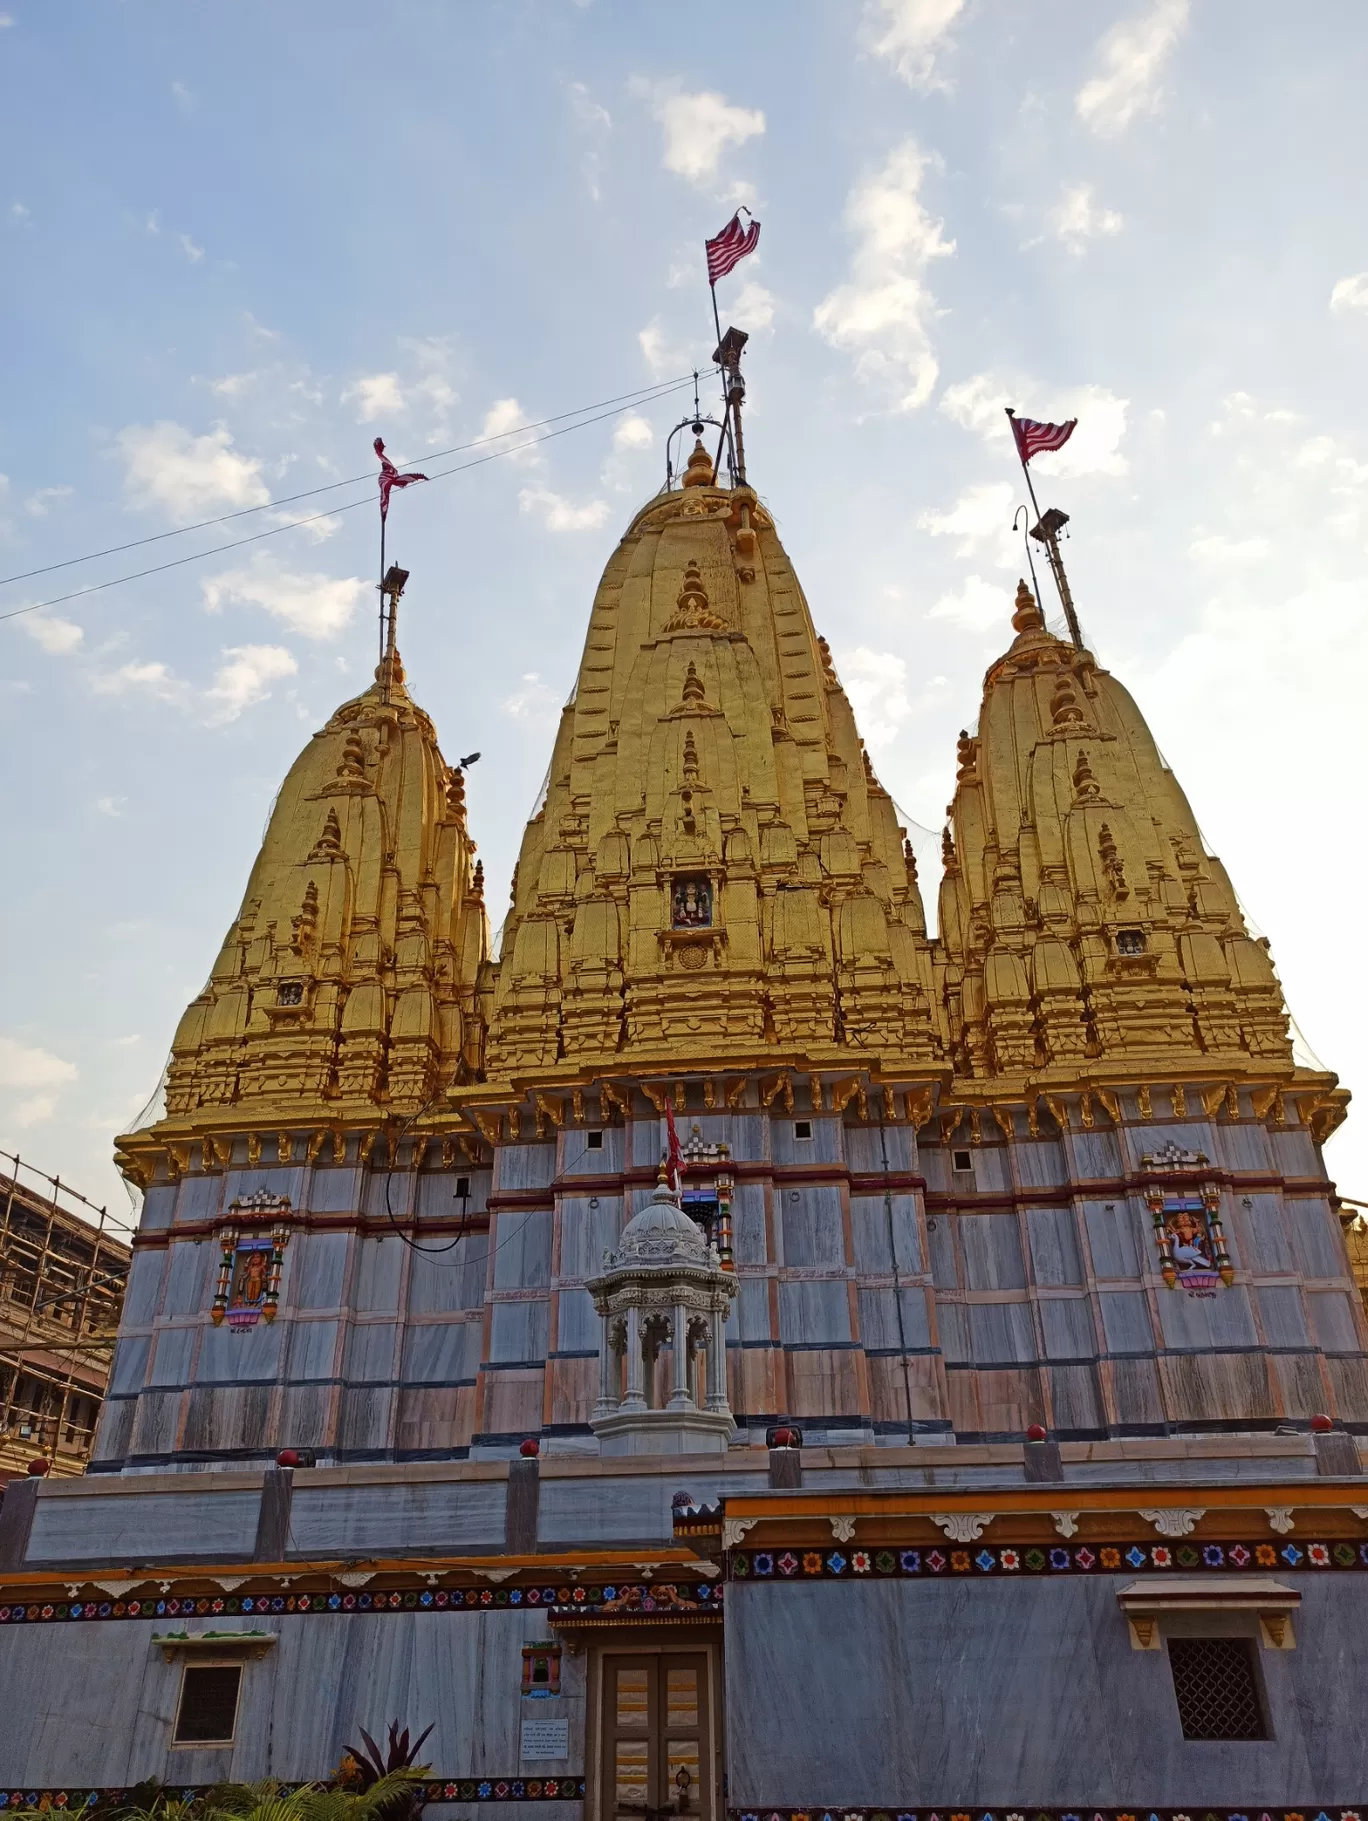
(249, 1278)
(1187, 1233)
(691, 905)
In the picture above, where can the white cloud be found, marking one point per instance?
(1350, 293)
(752, 307)
(633, 433)
(876, 684)
(25, 1066)
(978, 605)
(18, 212)
(910, 34)
(58, 637)
(232, 384)
(153, 223)
(318, 606)
(193, 253)
(36, 505)
(378, 395)
(880, 314)
(506, 418)
(1132, 62)
(188, 476)
(1078, 219)
(183, 97)
(113, 806)
(698, 128)
(1229, 553)
(6, 21)
(154, 676)
(978, 404)
(533, 700)
(243, 680)
(558, 514)
(980, 517)
(596, 123)
(662, 354)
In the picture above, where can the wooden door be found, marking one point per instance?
(657, 1736)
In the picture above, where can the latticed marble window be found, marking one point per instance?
(1217, 1688)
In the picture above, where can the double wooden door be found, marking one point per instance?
(657, 1752)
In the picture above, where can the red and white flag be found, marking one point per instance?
(731, 246)
(1038, 439)
(676, 1159)
(390, 478)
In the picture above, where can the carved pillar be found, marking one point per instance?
(636, 1397)
(679, 1396)
(717, 1362)
(608, 1397)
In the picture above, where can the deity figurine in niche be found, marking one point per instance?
(691, 903)
(249, 1275)
(248, 1288)
(1192, 1247)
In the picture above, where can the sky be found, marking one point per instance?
(240, 242)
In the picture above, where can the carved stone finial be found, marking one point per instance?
(1084, 783)
(477, 880)
(693, 683)
(948, 848)
(828, 668)
(964, 755)
(1064, 709)
(1027, 617)
(328, 846)
(699, 472)
(352, 764)
(456, 800)
(911, 860)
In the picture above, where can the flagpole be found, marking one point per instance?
(726, 402)
(1046, 531)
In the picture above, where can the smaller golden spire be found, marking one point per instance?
(699, 472)
(693, 684)
(1028, 617)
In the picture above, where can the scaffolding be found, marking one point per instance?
(63, 1271)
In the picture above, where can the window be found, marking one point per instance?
(290, 992)
(962, 1162)
(1130, 942)
(802, 1128)
(463, 1188)
(208, 1704)
(593, 1141)
(1217, 1688)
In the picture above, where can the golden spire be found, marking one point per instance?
(699, 472)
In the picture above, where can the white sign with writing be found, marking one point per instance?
(545, 1739)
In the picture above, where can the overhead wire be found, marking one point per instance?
(199, 556)
(643, 395)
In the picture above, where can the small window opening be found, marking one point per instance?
(463, 1188)
(962, 1162)
(290, 992)
(1217, 1688)
(208, 1704)
(593, 1141)
(1130, 942)
(802, 1128)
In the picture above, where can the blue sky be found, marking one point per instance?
(239, 242)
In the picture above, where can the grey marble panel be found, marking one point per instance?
(1076, 1398)
(320, 1269)
(1222, 1320)
(311, 1350)
(130, 1365)
(991, 1245)
(748, 1224)
(377, 1274)
(436, 1197)
(749, 1135)
(824, 1146)
(981, 1692)
(870, 1149)
(952, 1325)
(229, 1355)
(1097, 1155)
(171, 1364)
(601, 1510)
(1040, 1162)
(305, 1416)
(368, 1357)
(1317, 1242)
(443, 1352)
(154, 1425)
(518, 1331)
(440, 1282)
(190, 1273)
(114, 1428)
(610, 1157)
(1126, 1321)
(388, 1194)
(1333, 1320)
(1263, 1233)
(814, 1310)
(145, 1276)
(869, 1227)
(1135, 1386)
(1067, 1324)
(587, 1233)
(753, 1308)
(1294, 1153)
(577, 1322)
(71, 1704)
(1282, 1315)
(388, 1519)
(365, 1418)
(200, 1198)
(1220, 1387)
(1349, 1379)
(992, 1172)
(159, 1208)
(148, 1526)
(1116, 1238)
(228, 1416)
(522, 1249)
(940, 1239)
(813, 1231)
(1001, 1333)
(1243, 1146)
(1053, 1240)
(335, 1189)
(525, 1166)
(879, 1319)
(648, 1142)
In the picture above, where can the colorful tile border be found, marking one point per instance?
(1023, 1811)
(1029, 1558)
(637, 1596)
(435, 1789)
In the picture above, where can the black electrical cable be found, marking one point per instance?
(643, 395)
(199, 556)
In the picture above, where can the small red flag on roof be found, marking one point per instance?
(731, 246)
(1038, 439)
(390, 477)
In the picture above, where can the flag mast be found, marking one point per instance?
(391, 580)
(1049, 524)
(724, 251)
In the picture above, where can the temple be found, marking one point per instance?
(705, 1358)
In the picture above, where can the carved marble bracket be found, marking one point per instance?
(1279, 1518)
(355, 1577)
(1065, 1522)
(1176, 1521)
(962, 1526)
(843, 1529)
(734, 1530)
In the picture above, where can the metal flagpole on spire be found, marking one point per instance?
(391, 587)
(724, 251)
(1032, 438)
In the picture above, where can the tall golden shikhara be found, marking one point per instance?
(717, 880)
